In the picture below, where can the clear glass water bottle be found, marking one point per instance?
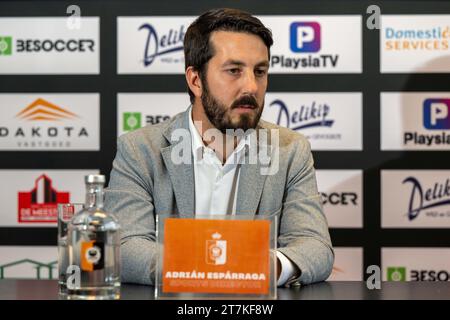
(94, 248)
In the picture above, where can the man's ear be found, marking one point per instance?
(193, 81)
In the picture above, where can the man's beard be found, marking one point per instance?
(220, 115)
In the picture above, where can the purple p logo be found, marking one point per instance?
(305, 36)
(436, 114)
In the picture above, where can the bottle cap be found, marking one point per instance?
(94, 178)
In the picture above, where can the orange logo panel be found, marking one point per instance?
(216, 256)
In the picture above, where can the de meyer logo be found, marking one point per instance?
(5, 46)
(435, 114)
(40, 203)
(305, 37)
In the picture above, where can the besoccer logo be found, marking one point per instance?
(5, 46)
(131, 121)
(305, 37)
(436, 114)
(396, 274)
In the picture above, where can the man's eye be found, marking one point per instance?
(260, 72)
(234, 71)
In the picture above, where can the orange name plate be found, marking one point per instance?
(216, 256)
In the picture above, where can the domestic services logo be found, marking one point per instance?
(414, 43)
(417, 39)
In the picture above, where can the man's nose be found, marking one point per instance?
(250, 83)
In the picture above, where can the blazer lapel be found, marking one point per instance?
(181, 175)
(251, 184)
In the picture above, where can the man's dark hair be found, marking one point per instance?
(197, 47)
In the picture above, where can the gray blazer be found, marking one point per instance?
(144, 182)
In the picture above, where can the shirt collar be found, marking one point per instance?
(198, 145)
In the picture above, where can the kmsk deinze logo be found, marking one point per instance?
(47, 46)
(322, 117)
(151, 44)
(417, 198)
(49, 122)
(319, 44)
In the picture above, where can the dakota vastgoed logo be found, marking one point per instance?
(400, 274)
(307, 116)
(436, 116)
(133, 120)
(161, 47)
(422, 199)
(305, 37)
(36, 265)
(41, 109)
(39, 205)
(5, 46)
(44, 133)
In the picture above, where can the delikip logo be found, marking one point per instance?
(423, 198)
(156, 46)
(40, 203)
(305, 36)
(5, 46)
(436, 114)
(303, 117)
(43, 110)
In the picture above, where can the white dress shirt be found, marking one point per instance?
(216, 186)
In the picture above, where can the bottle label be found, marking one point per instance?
(92, 255)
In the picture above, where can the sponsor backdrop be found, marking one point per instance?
(374, 103)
